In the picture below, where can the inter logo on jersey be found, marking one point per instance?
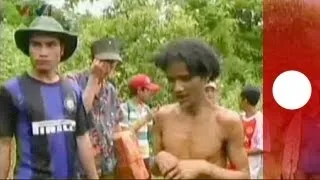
(70, 104)
(53, 126)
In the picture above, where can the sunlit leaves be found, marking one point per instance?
(233, 27)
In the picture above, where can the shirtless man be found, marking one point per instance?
(193, 137)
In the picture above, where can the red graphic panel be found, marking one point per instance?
(291, 42)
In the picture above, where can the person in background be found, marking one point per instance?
(101, 99)
(211, 92)
(43, 110)
(253, 127)
(137, 114)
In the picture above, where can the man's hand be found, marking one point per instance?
(98, 73)
(86, 156)
(137, 125)
(94, 85)
(151, 114)
(99, 69)
(166, 162)
(188, 169)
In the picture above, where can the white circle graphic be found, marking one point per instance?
(292, 90)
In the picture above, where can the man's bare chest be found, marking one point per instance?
(193, 141)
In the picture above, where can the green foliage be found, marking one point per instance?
(233, 27)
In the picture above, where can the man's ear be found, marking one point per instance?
(245, 101)
(62, 50)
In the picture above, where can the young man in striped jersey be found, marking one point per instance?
(43, 110)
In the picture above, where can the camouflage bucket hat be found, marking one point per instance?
(45, 24)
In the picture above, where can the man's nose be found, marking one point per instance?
(178, 87)
(44, 52)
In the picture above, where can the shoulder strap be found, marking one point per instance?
(128, 110)
(148, 108)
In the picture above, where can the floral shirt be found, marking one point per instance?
(106, 116)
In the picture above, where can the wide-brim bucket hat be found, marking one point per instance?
(46, 24)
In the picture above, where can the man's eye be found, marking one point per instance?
(35, 44)
(170, 80)
(52, 44)
(185, 78)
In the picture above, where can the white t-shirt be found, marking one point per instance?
(256, 161)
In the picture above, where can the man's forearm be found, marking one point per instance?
(88, 97)
(138, 124)
(5, 146)
(217, 172)
(86, 157)
(90, 92)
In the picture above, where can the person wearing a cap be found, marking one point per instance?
(137, 115)
(194, 138)
(211, 92)
(43, 110)
(101, 100)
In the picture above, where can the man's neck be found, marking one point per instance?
(250, 111)
(197, 107)
(46, 77)
(213, 100)
(138, 101)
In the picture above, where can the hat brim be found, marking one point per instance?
(108, 56)
(153, 87)
(69, 41)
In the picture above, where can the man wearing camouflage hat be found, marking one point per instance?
(43, 110)
(100, 98)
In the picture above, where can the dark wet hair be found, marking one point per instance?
(199, 57)
(251, 94)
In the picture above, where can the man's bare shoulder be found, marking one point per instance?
(165, 110)
(231, 122)
(163, 114)
(228, 117)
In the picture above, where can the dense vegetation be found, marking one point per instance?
(234, 27)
